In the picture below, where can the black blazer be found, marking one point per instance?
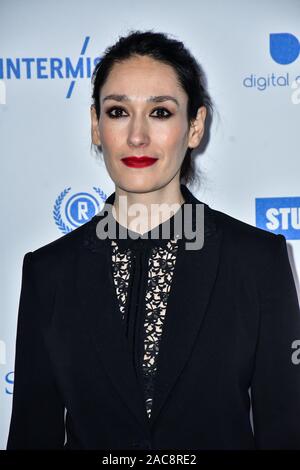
(231, 329)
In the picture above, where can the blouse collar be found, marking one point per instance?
(95, 243)
(158, 236)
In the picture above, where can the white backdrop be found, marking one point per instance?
(250, 52)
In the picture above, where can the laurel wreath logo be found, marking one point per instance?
(101, 193)
(57, 208)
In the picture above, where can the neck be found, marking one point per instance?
(153, 207)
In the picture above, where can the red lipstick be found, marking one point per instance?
(139, 162)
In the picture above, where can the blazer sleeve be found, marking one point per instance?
(37, 419)
(275, 388)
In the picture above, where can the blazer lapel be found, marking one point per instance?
(193, 281)
(101, 318)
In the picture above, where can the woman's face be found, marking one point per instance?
(134, 123)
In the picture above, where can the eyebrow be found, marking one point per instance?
(155, 99)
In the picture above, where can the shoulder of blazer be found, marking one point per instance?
(240, 231)
(50, 261)
(251, 246)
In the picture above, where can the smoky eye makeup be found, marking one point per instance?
(116, 112)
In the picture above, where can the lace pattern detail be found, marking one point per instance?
(160, 273)
(122, 263)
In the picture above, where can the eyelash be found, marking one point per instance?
(109, 111)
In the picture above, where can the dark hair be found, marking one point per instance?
(169, 51)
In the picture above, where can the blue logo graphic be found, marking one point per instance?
(279, 215)
(78, 208)
(284, 48)
(49, 67)
(10, 381)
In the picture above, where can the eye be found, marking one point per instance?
(114, 108)
(164, 110)
(119, 110)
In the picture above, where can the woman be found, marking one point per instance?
(147, 341)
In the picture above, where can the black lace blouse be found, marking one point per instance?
(143, 270)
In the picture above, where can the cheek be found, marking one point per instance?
(173, 141)
(108, 136)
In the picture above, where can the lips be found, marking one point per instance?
(139, 162)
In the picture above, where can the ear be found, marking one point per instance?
(94, 127)
(197, 128)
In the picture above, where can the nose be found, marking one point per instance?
(138, 134)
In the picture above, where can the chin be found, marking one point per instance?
(139, 185)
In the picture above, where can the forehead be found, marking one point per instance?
(141, 76)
